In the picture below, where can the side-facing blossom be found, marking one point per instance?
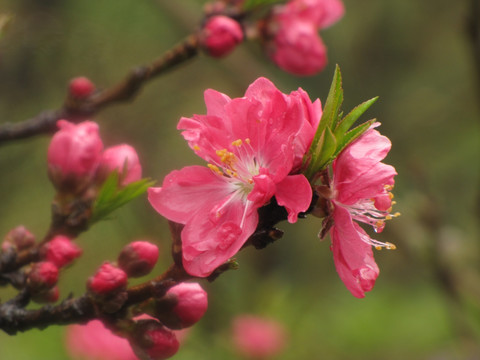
(251, 144)
(257, 337)
(291, 33)
(360, 188)
(124, 159)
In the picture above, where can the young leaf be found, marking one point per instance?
(111, 197)
(347, 122)
(328, 149)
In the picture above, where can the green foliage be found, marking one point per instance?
(112, 197)
(252, 4)
(327, 144)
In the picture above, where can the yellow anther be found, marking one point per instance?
(247, 140)
(196, 147)
(390, 195)
(388, 217)
(379, 223)
(237, 142)
(250, 181)
(394, 202)
(388, 187)
(378, 247)
(396, 214)
(214, 168)
(390, 246)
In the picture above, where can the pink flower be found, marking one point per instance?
(74, 153)
(221, 35)
(292, 36)
(252, 144)
(361, 188)
(95, 341)
(60, 251)
(124, 159)
(258, 338)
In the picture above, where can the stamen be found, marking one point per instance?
(196, 147)
(214, 168)
(237, 142)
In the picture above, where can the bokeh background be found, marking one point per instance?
(418, 56)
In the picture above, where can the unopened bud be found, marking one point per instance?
(138, 258)
(19, 238)
(124, 159)
(152, 341)
(221, 35)
(60, 251)
(81, 87)
(107, 279)
(42, 276)
(74, 154)
(181, 307)
(47, 296)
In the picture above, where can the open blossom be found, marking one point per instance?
(292, 36)
(251, 144)
(361, 188)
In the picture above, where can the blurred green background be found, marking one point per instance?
(416, 55)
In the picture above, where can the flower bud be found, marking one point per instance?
(124, 159)
(19, 238)
(60, 251)
(221, 35)
(138, 258)
(47, 296)
(107, 279)
(256, 337)
(152, 341)
(81, 87)
(74, 154)
(42, 276)
(181, 307)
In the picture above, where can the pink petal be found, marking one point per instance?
(295, 193)
(209, 241)
(215, 102)
(353, 257)
(186, 191)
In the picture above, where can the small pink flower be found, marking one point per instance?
(60, 251)
(124, 159)
(252, 144)
(221, 35)
(108, 278)
(258, 338)
(361, 188)
(292, 36)
(74, 152)
(95, 341)
(81, 87)
(138, 258)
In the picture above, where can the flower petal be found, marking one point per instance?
(186, 191)
(295, 193)
(353, 257)
(209, 241)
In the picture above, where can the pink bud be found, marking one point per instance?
(153, 341)
(47, 296)
(124, 159)
(19, 238)
(74, 153)
(138, 258)
(60, 251)
(257, 337)
(221, 35)
(107, 279)
(81, 87)
(42, 276)
(192, 302)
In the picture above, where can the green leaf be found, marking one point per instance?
(252, 4)
(112, 197)
(351, 136)
(328, 149)
(347, 122)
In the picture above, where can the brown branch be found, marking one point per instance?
(124, 91)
